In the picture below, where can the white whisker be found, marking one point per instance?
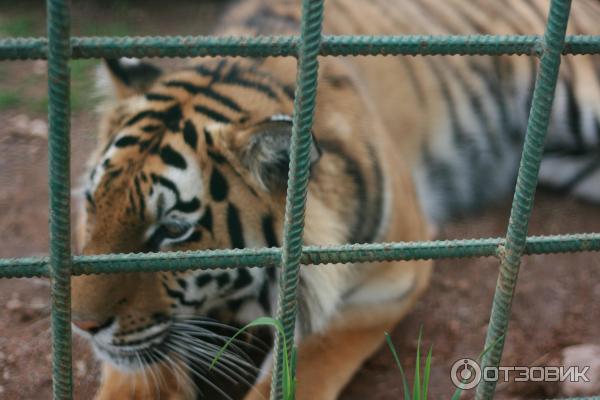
(205, 379)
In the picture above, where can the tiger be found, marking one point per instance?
(197, 159)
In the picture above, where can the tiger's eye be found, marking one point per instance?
(174, 229)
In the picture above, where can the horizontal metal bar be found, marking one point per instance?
(180, 261)
(277, 46)
(26, 267)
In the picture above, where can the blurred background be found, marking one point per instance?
(556, 305)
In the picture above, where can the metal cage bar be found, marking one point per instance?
(279, 46)
(533, 149)
(60, 194)
(349, 253)
(59, 47)
(293, 230)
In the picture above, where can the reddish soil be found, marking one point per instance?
(554, 305)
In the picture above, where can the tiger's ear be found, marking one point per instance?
(266, 152)
(131, 76)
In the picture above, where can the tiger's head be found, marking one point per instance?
(191, 160)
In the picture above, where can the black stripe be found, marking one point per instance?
(181, 297)
(234, 227)
(223, 279)
(207, 91)
(474, 99)
(574, 115)
(204, 71)
(90, 200)
(188, 206)
(183, 206)
(207, 221)
(141, 115)
(151, 128)
(234, 77)
(264, 297)
(182, 283)
(112, 175)
(161, 180)
(132, 206)
(243, 279)
(212, 114)
(218, 70)
(216, 157)
(591, 168)
(203, 279)
(463, 143)
(235, 304)
(439, 173)
(151, 143)
(172, 157)
(189, 134)
(208, 137)
(170, 117)
(371, 229)
(158, 97)
(218, 185)
(127, 141)
(268, 228)
(290, 91)
(352, 171)
(141, 200)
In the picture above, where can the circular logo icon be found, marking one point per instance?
(465, 373)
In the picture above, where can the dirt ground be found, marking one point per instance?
(554, 306)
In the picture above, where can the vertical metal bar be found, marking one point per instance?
(306, 90)
(59, 181)
(522, 205)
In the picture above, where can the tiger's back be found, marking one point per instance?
(459, 121)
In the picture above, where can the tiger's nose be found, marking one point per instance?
(92, 326)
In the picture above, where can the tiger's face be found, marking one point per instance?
(192, 160)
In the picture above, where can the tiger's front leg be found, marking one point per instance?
(327, 361)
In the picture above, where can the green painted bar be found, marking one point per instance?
(26, 267)
(278, 46)
(60, 195)
(299, 173)
(180, 261)
(522, 206)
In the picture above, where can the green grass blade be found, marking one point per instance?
(388, 339)
(289, 364)
(262, 321)
(427, 373)
(456, 394)
(417, 379)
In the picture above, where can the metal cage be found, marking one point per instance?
(59, 47)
